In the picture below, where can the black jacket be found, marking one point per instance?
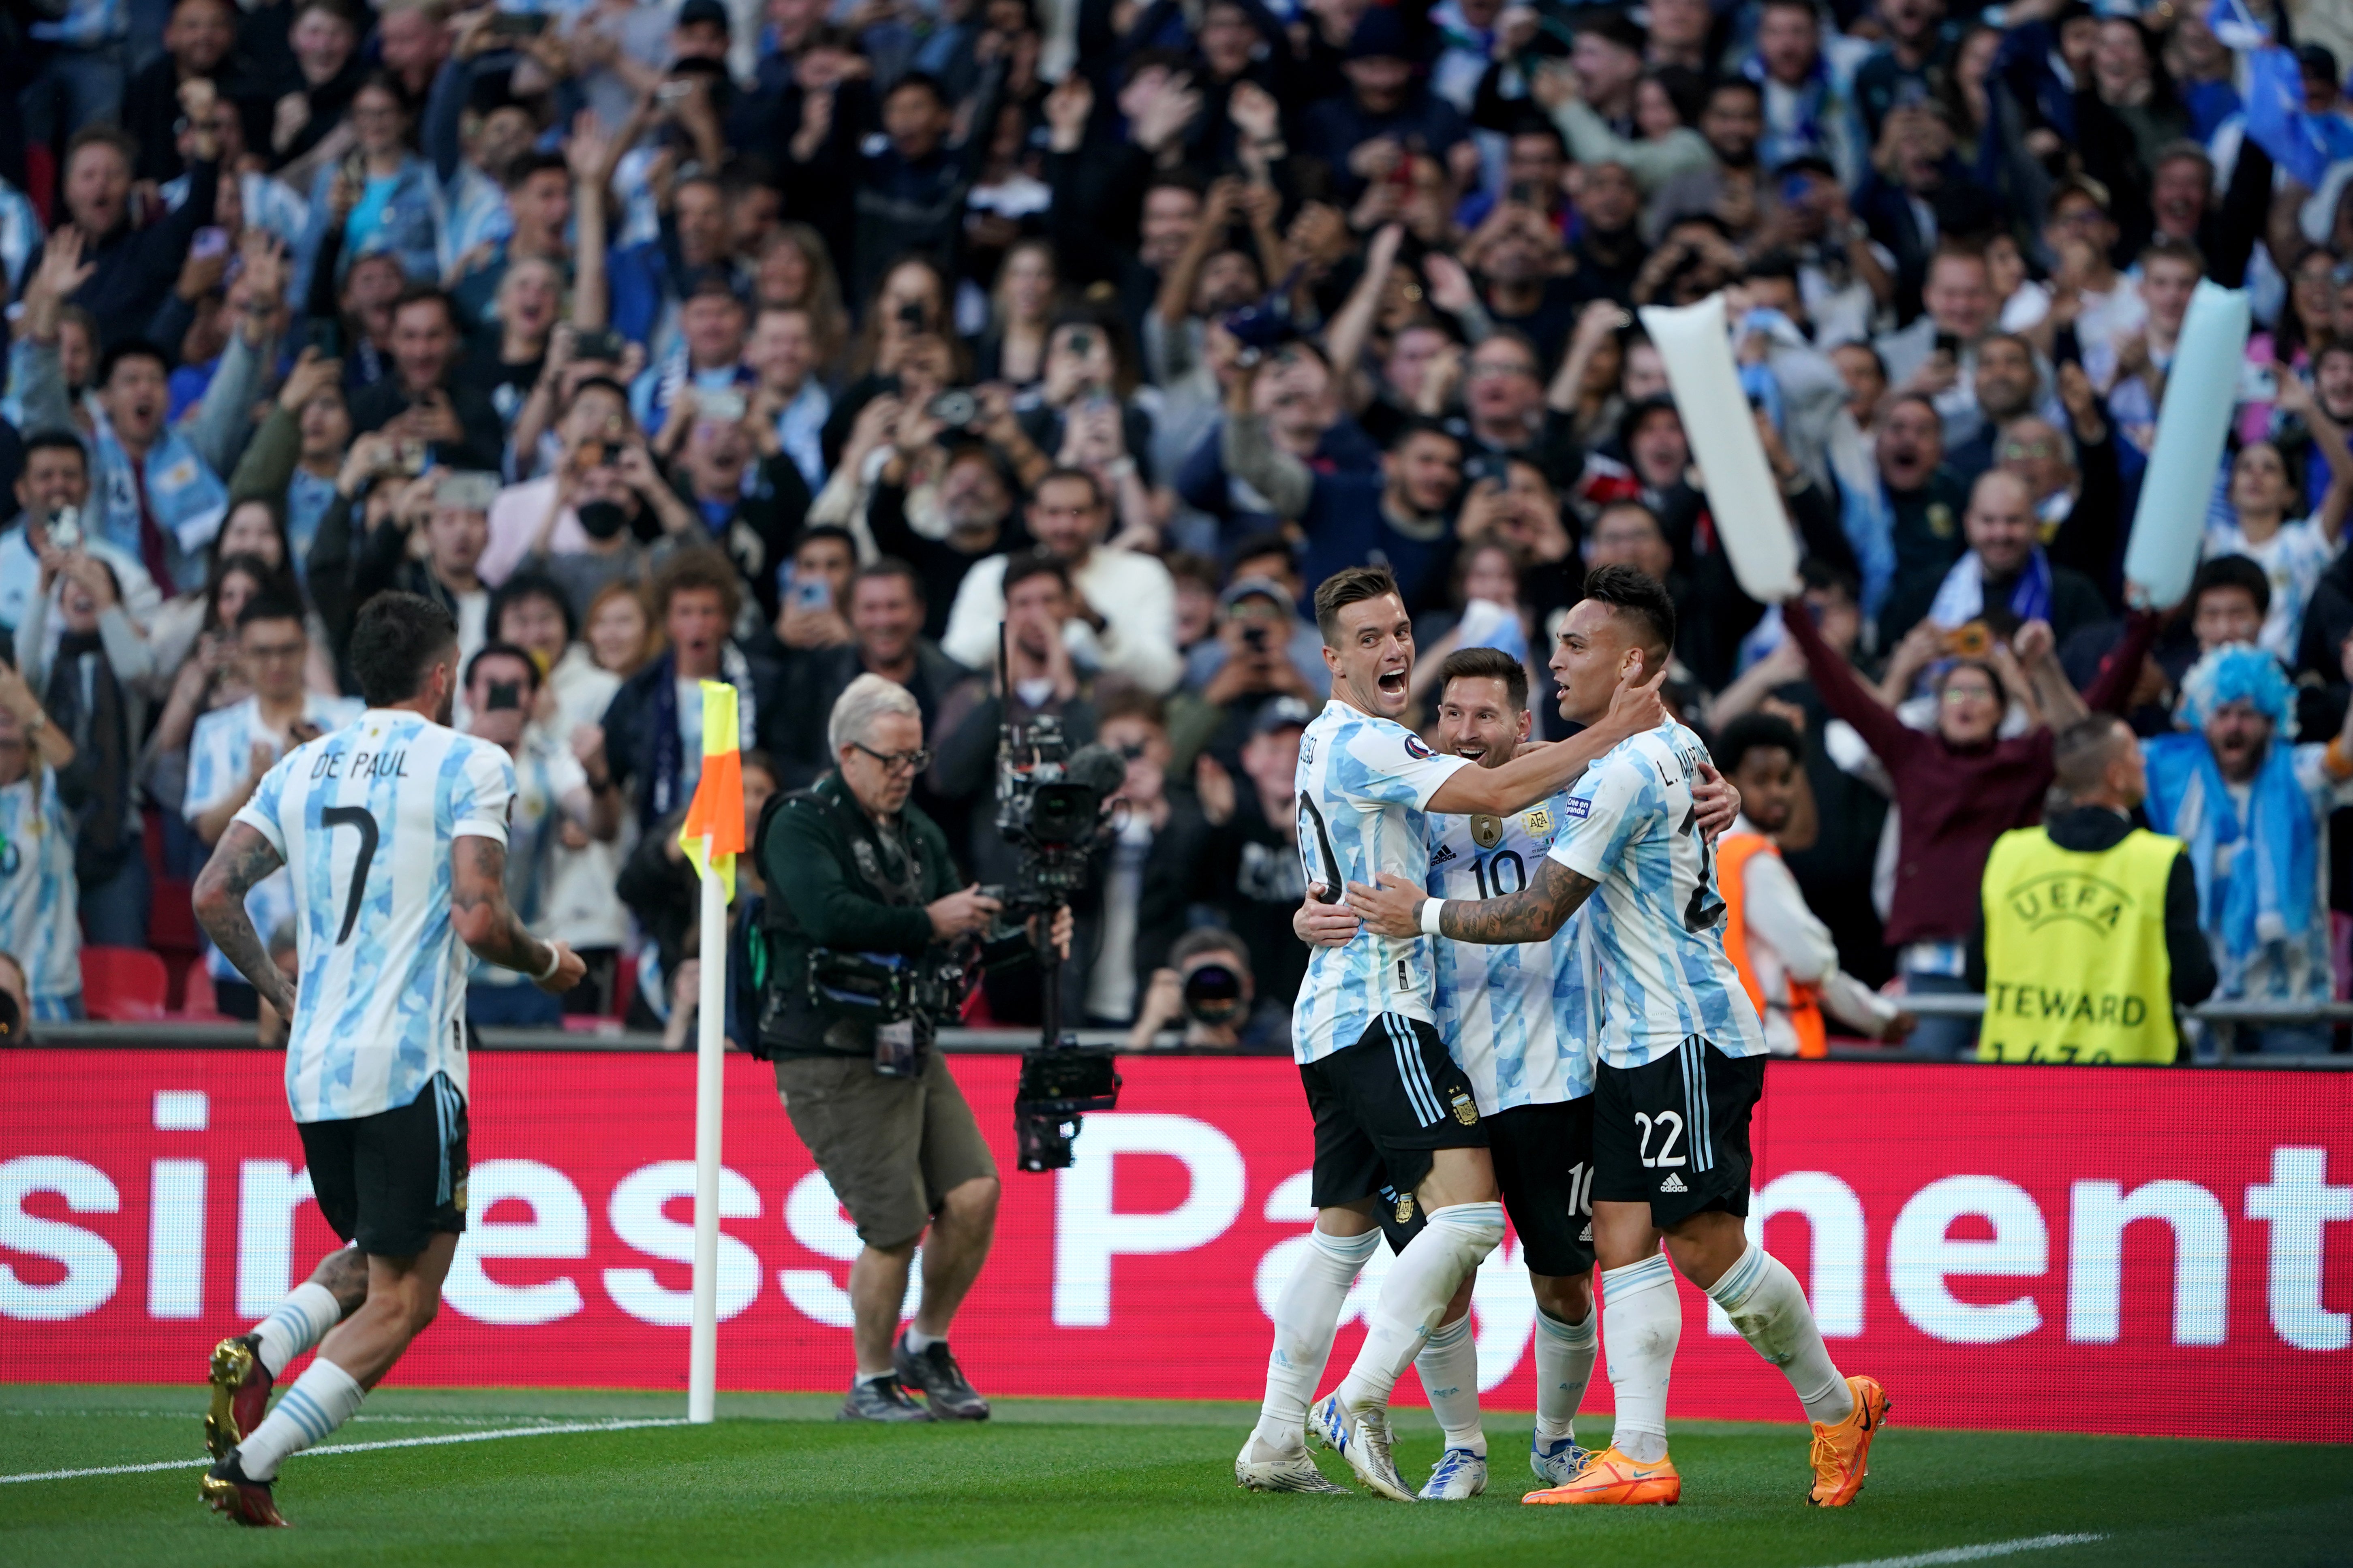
(837, 879)
(134, 268)
(806, 684)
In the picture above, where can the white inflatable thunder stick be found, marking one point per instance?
(2200, 389)
(1741, 491)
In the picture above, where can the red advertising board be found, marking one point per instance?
(2097, 1250)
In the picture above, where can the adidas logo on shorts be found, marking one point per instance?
(1673, 1184)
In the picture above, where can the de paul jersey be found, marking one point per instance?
(365, 819)
(1512, 1014)
(1363, 786)
(1655, 925)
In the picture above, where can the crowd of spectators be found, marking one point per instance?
(778, 344)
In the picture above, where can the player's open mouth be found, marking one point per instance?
(1392, 683)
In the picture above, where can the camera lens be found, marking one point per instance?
(1213, 994)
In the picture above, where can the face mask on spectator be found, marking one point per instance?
(602, 519)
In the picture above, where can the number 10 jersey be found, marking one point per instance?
(364, 819)
(1513, 1014)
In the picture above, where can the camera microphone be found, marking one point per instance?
(1098, 768)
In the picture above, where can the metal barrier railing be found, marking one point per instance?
(180, 1034)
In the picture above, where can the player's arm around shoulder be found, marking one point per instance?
(1399, 909)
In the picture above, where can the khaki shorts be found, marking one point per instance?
(894, 1148)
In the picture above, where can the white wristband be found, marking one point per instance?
(554, 962)
(1429, 908)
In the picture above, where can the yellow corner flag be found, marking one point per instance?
(712, 833)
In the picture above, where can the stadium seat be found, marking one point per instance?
(199, 1004)
(123, 985)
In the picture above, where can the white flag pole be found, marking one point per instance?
(710, 1082)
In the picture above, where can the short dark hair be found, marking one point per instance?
(2079, 754)
(128, 349)
(1208, 939)
(698, 567)
(2232, 571)
(1421, 424)
(1034, 564)
(56, 439)
(425, 293)
(890, 568)
(101, 133)
(1487, 664)
(1349, 586)
(500, 650)
(269, 607)
(1132, 702)
(1635, 593)
(534, 585)
(534, 163)
(396, 639)
(1757, 732)
(1095, 485)
(821, 530)
(924, 80)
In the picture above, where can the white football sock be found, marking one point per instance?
(1305, 1315)
(296, 1324)
(1419, 1284)
(1766, 1304)
(919, 1341)
(1565, 1353)
(1645, 1321)
(322, 1399)
(1449, 1367)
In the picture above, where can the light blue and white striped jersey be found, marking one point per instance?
(366, 818)
(39, 896)
(546, 773)
(1364, 783)
(1655, 967)
(1512, 1016)
(220, 748)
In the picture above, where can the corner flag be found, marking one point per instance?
(712, 833)
(711, 836)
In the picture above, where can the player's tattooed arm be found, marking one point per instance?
(1533, 914)
(487, 925)
(242, 858)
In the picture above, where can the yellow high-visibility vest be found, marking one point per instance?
(2076, 969)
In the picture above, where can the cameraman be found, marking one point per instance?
(1209, 989)
(854, 872)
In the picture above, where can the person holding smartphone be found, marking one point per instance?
(551, 791)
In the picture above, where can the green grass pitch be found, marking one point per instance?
(776, 1481)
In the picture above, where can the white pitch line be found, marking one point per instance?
(362, 1448)
(1977, 1553)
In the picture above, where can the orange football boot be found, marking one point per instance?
(1840, 1452)
(1610, 1477)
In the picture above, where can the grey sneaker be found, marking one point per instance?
(933, 1372)
(881, 1399)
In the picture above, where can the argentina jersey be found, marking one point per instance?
(1363, 784)
(37, 892)
(1653, 936)
(365, 819)
(1512, 1015)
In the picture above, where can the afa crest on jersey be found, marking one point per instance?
(1537, 820)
